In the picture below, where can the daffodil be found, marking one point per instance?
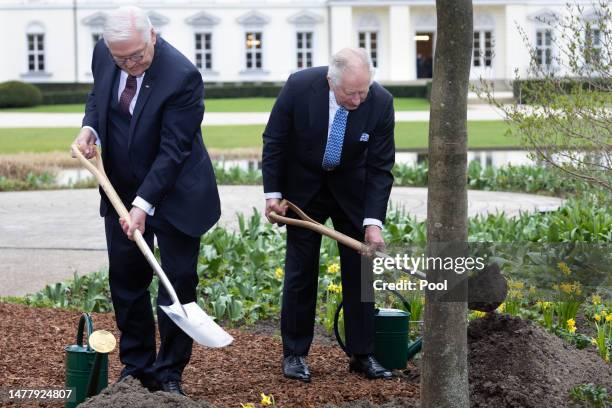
(333, 268)
(609, 318)
(502, 308)
(596, 300)
(571, 326)
(279, 273)
(564, 268)
(247, 405)
(597, 317)
(478, 314)
(266, 399)
(333, 288)
(593, 341)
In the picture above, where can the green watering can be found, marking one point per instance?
(86, 370)
(392, 346)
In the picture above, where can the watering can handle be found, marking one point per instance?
(85, 320)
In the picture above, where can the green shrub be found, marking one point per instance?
(16, 94)
(590, 395)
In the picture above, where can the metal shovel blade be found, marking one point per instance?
(197, 324)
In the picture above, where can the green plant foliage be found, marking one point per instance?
(590, 396)
(16, 94)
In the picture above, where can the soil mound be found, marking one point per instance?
(129, 393)
(515, 363)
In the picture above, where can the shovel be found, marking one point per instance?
(189, 317)
(486, 291)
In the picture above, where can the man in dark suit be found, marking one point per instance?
(146, 109)
(329, 149)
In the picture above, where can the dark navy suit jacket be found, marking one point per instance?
(295, 140)
(168, 160)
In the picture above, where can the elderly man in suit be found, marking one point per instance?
(145, 110)
(329, 148)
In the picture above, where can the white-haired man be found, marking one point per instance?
(146, 109)
(329, 148)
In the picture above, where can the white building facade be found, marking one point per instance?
(266, 40)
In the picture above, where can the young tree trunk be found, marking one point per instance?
(444, 371)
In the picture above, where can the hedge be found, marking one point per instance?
(59, 93)
(16, 94)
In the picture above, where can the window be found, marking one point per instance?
(592, 51)
(544, 48)
(369, 41)
(253, 45)
(36, 52)
(304, 49)
(483, 49)
(203, 50)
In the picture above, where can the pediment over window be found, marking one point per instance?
(157, 19)
(368, 22)
(95, 20)
(253, 18)
(203, 19)
(484, 20)
(544, 16)
(305, 18)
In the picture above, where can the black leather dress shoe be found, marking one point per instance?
(295, 367)
(369, 366)
(173, 387)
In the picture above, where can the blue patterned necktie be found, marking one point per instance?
(333, 149)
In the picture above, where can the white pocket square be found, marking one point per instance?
(364, 137)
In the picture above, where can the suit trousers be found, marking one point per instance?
(130, 276)
(301, 282)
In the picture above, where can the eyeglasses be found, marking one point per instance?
(136, 58)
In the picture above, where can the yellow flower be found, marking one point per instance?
(478, 314)
(597, 317)
(571, 326)
(593, 341)
(543, 305)
(608, 318)
(604, 313)
(333, 288)
(279, 273)
(564, 268)
(596, 299)
(515, 284)
(515, 294)
(532, 290)
(567, 288)
(502, 308)
(333, 268)
(247, 405)
(266, 399)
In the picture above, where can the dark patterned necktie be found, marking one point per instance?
(127, 95)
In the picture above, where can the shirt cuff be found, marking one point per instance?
(273, 195)
(372, 221)
(143, 205)
(95, 134)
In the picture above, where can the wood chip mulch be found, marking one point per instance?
(32, 342)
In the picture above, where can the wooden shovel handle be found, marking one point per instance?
(307, 222)
(98, 171)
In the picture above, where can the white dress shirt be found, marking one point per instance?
(333, 108)
(138, 201)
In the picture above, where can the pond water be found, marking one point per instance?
(495, 158)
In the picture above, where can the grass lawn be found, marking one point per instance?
(226, 105)
(408, 135)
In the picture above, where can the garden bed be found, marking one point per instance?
(513, 363)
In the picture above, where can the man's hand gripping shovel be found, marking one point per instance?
(189, 317)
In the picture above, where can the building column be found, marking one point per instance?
(341, 30)
(515, 52)
(402, 45)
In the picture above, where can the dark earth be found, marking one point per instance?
(512, 362)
